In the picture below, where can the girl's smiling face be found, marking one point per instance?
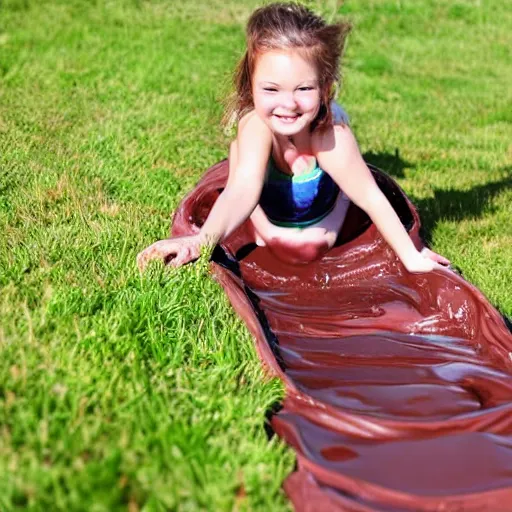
(286, 91)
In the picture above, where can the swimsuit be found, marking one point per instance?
(300, 201)
(297, 201)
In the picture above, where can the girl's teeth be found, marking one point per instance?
(288, 119)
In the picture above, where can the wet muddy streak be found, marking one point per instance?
(399, 385)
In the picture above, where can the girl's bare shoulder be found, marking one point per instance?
(251, 125)
(243, 120)
(253, 143)
(336, 138)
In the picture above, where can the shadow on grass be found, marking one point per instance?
(457, 205)
(392, 164)
(447, 204)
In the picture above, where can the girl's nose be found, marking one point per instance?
(288, 100)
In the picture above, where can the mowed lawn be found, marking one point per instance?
(122, 392)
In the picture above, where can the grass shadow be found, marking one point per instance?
(392, 164)
(456, 205)
(446, 204)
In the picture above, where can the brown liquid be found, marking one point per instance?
(399, 385)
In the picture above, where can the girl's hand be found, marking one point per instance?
(174, 251)
(427, 253)
(426, 261)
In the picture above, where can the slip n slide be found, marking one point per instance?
(398, 385)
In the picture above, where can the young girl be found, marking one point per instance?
(294, 166)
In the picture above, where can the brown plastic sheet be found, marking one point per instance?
(399, 386)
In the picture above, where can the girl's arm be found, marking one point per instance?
(338, 153)
(243, 189)
(234, 205)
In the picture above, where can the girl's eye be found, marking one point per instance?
(269, 89)
(305, 88)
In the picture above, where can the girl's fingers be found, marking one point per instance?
(183, 256)
(435, 257)
(140, 262)
(444, 261)
(175, 252)
(179, 258)
(144, 257)
(439, 259)
(154, 251)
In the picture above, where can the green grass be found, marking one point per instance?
(125, 393)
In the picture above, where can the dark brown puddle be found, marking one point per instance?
(399, 386)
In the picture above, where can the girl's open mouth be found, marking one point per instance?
(288, 119)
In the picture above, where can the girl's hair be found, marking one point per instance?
(290, 26)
